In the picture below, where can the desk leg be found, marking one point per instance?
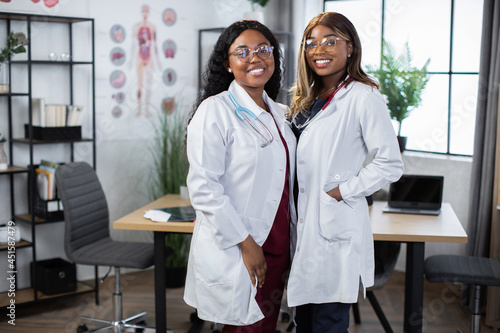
(414, 287)
(160, 297)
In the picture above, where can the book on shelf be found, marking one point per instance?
(47, 186)
(50, 164)
(51, 115)
(44, 182)
(61, 115)
(38, 112)
(74, 115)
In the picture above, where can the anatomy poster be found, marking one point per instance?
(145, 54)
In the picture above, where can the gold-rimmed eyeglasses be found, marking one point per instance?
(327, 44)
(246, 55)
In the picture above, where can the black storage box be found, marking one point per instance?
(54, 133)
(54, 276)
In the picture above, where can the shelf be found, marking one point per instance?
(43, 18)
(38, 220)
(22, 296)
(18, 245)
(13, 169)
(14, 94)
(49, 62)
(27, 295)
(42, 142)
(17, 103)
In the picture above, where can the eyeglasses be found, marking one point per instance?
(246, 55)
(327, 44)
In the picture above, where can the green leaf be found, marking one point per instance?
(400, 82)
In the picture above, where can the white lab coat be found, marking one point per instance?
(235, 186)
(334, 254)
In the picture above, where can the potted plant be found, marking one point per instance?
(256, 15)
(167, 175)
(401, 83)
(262, 3)
(15, 44)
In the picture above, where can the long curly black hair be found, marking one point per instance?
(216, 77)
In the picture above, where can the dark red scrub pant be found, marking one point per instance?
(269, 296)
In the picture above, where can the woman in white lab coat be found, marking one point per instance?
(241, 185)
(339, 118)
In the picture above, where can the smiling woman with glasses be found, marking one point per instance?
(241, 152)
(339, 118)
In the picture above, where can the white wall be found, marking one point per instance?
(123, 162)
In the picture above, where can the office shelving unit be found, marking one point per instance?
(19, 101)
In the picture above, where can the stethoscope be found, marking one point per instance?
(252, 121)
(330, 97)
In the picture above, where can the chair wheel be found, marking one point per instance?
(285, 317)
(142, 323)
(82, 328)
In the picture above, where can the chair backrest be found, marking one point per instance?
(86, 214)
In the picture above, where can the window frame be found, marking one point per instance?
(450, 73)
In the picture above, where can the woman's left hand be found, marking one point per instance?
(335, 193)
(254, 260)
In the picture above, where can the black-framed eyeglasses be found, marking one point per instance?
(327, 44)
(246, 55)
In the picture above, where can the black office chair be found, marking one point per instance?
(386, 256)
(475, 271)
(87, 240)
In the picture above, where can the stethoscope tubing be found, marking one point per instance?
(239, 112)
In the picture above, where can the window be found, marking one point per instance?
(449, 33)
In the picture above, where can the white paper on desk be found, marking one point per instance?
(157, 215)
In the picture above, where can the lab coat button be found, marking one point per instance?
(302, 190)
(301, 220)
(337, 177)
(302, 162)
(304, 133)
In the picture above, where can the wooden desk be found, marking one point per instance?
(136, 221)
(415, 230)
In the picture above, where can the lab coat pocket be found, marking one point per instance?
(337, 222)
(213, 265)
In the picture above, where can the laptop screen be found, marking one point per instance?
(417, 191)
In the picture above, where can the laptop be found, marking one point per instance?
(416, 194)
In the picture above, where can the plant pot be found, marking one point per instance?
(402, 143)
(4, 77)
(254, 15)
(175, 277)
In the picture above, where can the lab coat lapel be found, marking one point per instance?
(331, 107)
(244, 99)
